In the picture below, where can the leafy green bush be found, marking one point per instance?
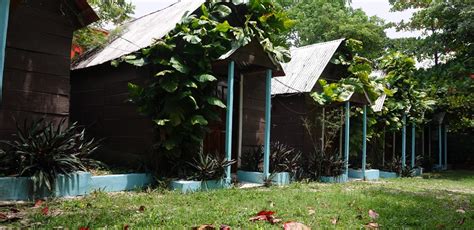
(209, 167)
(42, 150)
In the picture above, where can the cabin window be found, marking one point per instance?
(4, 8)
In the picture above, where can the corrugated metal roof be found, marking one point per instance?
(306, 66)
(140, 33)
(378, 104)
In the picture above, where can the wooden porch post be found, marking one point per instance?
(445, 147)
(364, 141)
(229, 117)
(413, 139)
(346, 139)
(440, 146)
(404, 139)
(4, 11)
(268, 124)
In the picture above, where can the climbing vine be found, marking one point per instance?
(180, 96)
(358, 79)
(408, 96)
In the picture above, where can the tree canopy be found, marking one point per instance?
(322, 20)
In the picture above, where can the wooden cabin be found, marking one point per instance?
(35, 44)
(291, 103)
(99, 91)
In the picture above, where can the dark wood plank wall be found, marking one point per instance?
(98, 101)
(253, 120)
(36, 75)
(287, 123)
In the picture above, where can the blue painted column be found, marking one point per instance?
(268, 124)
(364, 141)
(229, 117)
(440, 146)
(413, 139)
(4, 11)
(346, 139)
(404, 140)
(445, 147)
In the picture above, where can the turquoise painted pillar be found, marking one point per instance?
(4, 11)
(228, 122)
(364, 141)
(413, 139)
(346, 139)
(404, 140)
(268, 123)
(445, 147)
(440, 146)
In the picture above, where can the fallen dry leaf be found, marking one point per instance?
(266, 216)
(334, 220)
(10, 217)
(462, 211)
(372, 226)
(84, 228)
(141, 209)
(125, 227)
(311, 211)
(45, 211)
(295, 226)
(224, 227)
(38, 203)
(205, 227)
(374, 215)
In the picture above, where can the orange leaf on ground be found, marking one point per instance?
(38, 203)
(84, 228)
(45, 211)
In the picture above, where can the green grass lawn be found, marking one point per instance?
(436, 201)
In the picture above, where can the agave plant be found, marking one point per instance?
(283, 158)
(42, 151)
(209, 167)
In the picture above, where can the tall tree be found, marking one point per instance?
(448, 35)
(111, 14)
(323, 20)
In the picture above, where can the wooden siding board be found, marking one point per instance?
(36, 62)
(35, 102)
(36, 82)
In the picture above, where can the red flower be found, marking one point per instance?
(45, 210)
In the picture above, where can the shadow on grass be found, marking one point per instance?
(457, 175)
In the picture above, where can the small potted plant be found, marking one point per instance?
(391, 169)
(284, 164)
(208, 171)
(332, 169)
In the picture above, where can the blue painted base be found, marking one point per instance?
(120, 182)
(370, 174)
(418, 171)
(387, 174)
(21, 188)
(331, 179)
(281, 178)
(438, 167)
(75, 184)
(194, 186)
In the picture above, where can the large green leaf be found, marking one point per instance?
(179, 65)
(198, 119)
(215, 101)
(205, 78)
(169, 84)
